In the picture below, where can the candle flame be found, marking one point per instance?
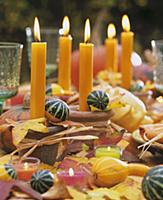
(66, 25)
(125, 23)
(71, 172)
(111, 31)
(37, 30)
(26, 166)
(87, 31)
(109, 148)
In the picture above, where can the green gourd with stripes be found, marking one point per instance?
(57, 108)
(98, 99)
(42, 180)
(152, 185)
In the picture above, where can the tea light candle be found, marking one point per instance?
(72, 178)
(26, 168)
(109, 151)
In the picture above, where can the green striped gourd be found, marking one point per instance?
(98, 99)
(11, 171)
(42, 180)
(57, 109)
(7, 172)
(152, 185)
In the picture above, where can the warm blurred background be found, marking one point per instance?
(145, 18)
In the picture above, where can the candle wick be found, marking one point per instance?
(37, 40)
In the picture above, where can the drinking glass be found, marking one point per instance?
(157, 47)
(49, 35)
(10, 62)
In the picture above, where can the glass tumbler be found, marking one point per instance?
(10, 62)
(157, 47)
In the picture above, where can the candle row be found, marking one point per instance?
(38, 63)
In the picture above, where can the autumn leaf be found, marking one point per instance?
(126, 189)
(20, 130)
(75, 194)
(102, 194)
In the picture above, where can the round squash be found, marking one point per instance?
(152, 185)
(137, 86)
(42, 180)
(109, 171)
(7, 172)
(56, 110)
(98, 99)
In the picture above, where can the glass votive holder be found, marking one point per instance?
(73, 178)
(25, 167)
(108, 151)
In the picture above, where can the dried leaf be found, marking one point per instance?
(6, 159)
(126, 189)
(7, 186)
(75, 194)
(101, 193)
(68, 124)
(20, 130)
(58, 191)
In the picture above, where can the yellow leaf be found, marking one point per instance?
(101, 193)
(76, 195)
(116, 104)
(20, 130)
(126, 189)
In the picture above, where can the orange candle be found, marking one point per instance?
(127, 48)
(65, 48)
(38, 75)
(111, 49)
(86, 68)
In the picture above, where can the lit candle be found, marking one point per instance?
(26, 168)
(38, 76)
(72, 178)
(108, 151)
(65, 48)
(85, 68)
(111, 49)
(127, 48)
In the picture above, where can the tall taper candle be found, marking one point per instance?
(38, 75)
(86, 68)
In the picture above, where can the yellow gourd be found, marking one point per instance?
(136, 169)
(111, 171)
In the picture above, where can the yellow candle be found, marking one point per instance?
(111, 49)
(38, 76)
(65, 48)
(127, 48)
(85, 68)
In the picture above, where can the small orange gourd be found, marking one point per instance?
(111, 171)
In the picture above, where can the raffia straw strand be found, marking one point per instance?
(144, 150)
(152, 140)
(53, 140)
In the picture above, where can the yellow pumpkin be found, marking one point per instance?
(109, 171)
